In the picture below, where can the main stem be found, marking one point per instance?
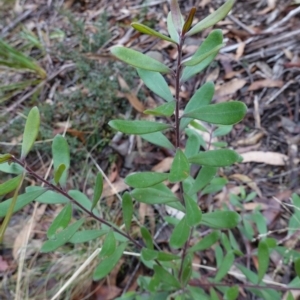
(177, 90)
(177, 130)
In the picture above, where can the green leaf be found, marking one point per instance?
(197, 59)
(159, 139)
(171, 29)
(290, 296)
(106, 265)
(61, 221)
(145, 179)
(251, 276)
(232, 293)
(149, 254)
(49, 197)
(186, 269)
(62, 237)
(193, 212)
(261, 222)
(147, 30)
(22, 201)
(97, 190)
(10, 210)
(31, 131)
(176, 15)
(165, 110)
(193, 143)
(263, 260)
(215, 186)
(222, 130)
(58, 173)
(221, 219)
(163, 256)
(233, 242)
(213, 18)
(205, 175)
(225, 242)
(153, 196)
(225, 266)
(180, 168)
(83, 200)
(137, 127)
(147, 237)
(5, 157)
(127, 209)
(10, 185)
(165, 277)
(139, 60)
(215, 158)
(296, 203)
(180, 234)
(224, 113)
(206, 242)
(84, 236)
(11, 168)
(214, 39)
(213, 294)
(109, 245)
(156, 83)
(219, 255)
(201, 97)
(297, 267)
(197, 292)
(61, 155)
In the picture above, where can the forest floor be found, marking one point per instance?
(85, 87)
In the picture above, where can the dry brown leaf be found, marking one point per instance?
(112, 277)
(118, 187)
(257, 85)
(223, 196)
(203, 3)
(147, 210)
(270, 158)
(213, 75)
(78, 134)
(253, 205)
(247, 180)
(27, 229)
(105, 292)
(240, 50)
(164, 165)
(265, 68)
(131, 97)
(250, 140)
(233, 74)
(230, 87)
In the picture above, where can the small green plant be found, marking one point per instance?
(172, 274)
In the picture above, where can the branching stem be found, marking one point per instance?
(65, 194)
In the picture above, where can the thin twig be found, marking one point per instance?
(13, 24)
(277, 93)
(239, 23)
(291, 14)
